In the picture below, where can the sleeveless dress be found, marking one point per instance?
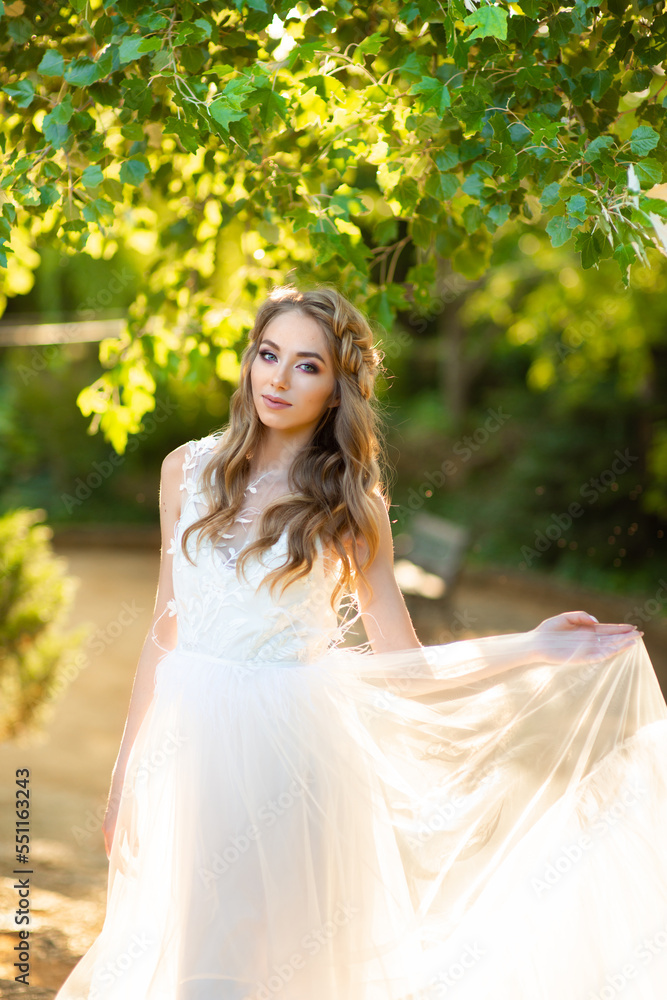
(307, 821)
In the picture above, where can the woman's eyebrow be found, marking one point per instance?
(299, 354)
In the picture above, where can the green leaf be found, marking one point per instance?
(52, 64)
(49, 194)
(50, 169)
(326, 246)
(648, 171)
(590, 245)
(22, 93)
(449, 185)
(372, 43)
(54, 125)
(447, 157)
(601, 81)
(26, 194)
(153, 22)
(379, 307)
(596, 148)
(643, 140)
(304, 53)
(473, 218)
(82, 72)
(20, 29)
(302, 218)
(558, 230)
(270, 104)
(133, 171)
(187, 133)
(241, 131)
(407, 193)
(133, 131)
(561, 27)
(150, 45)
(473, 185)
(130, 49)
(186, 33)
(504, 159)
(224, 113)
(499, 214)
(625, 255)
(415, 65)
(523, 29)
(435, 94)
(471, 110)
(9, 212)
(550, 195)
(639, 80)
(577, 207)
(92, 176)
(408, 12)
(204, 26)
(104, 209)
(489, 21)
(656, 205)
(422, 233)
(542, 127)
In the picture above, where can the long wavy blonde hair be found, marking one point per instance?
(333, 478)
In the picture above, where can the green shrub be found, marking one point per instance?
(35, 598)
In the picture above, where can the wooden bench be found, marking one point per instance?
(437, 548)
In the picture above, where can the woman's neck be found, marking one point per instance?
(274, 457)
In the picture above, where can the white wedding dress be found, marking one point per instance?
(304, 821)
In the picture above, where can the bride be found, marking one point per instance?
(291, 817)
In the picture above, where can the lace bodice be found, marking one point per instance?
(222, 615)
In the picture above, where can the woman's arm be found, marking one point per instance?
(161, 636)
(385, 615)
(574, 634)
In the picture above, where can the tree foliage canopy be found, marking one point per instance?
(234, 142)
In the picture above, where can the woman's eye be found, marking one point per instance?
(269, 355)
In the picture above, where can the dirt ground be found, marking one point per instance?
(70, 766)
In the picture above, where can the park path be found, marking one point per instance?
(71, 764)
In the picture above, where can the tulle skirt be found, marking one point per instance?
(402, 826)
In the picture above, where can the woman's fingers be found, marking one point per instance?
(583, 618)
(606, 628)
(579, 617)
(618, 640)
(574, 619)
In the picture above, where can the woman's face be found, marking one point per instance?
(293, 364)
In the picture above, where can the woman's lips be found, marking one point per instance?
(273, 404)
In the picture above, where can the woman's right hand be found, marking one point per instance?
(578, 637)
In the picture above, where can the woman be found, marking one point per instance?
(292, 818)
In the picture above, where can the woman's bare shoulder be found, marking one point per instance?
(172, 464)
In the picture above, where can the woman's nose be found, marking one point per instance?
(279, 378)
